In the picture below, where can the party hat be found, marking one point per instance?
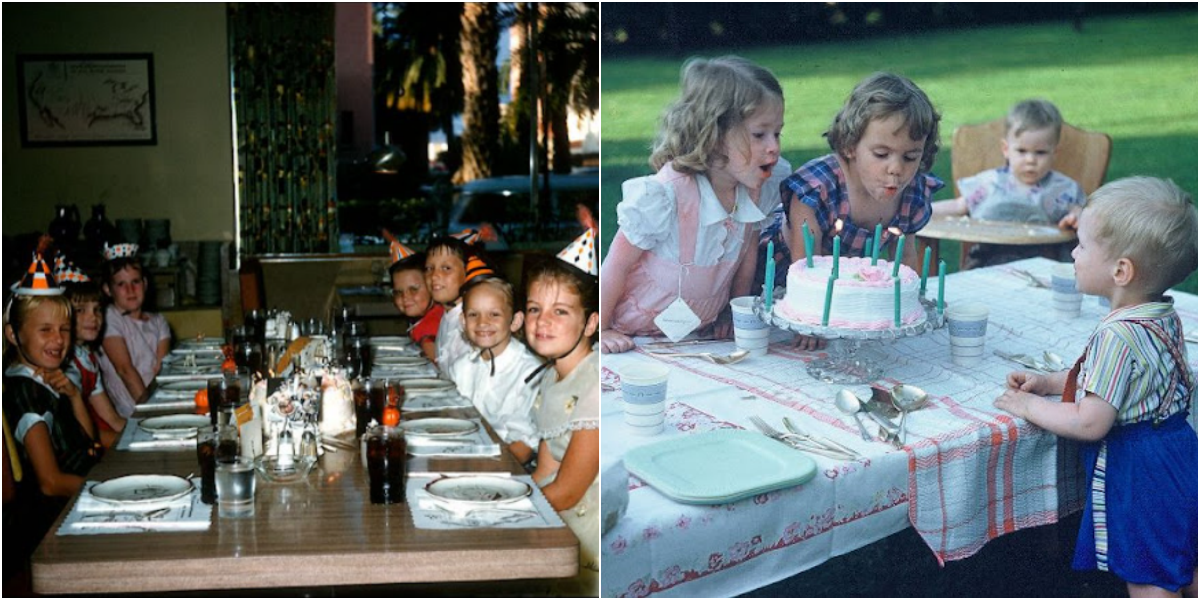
(466, 236)
(65, 271)
(119, 251)
(477, 268)
(398, 250)
(38, 281)
(581, 253)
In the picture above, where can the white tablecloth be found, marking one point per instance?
(969, 474)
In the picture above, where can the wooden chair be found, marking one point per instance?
(1082, 156)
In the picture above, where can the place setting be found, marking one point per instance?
(137, 503)
(435, 436)
(165, 432)
(475, 501)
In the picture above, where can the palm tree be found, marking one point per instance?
(480, 34)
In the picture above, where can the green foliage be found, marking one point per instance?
(1133, 78)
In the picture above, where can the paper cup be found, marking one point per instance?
(743, 314)
(967, 322)
(755, 341)
(644, 383)
(1066, 297)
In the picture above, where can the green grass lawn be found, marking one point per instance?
(1133, 78)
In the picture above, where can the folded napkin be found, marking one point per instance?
(478, 443)
(430, 401)
(92, 516)
(432, 513)
(136, 439)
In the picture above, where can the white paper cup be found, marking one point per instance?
(644, 391)
(967, 322)
(1066, 297)
(743, 314)
(644, 383)
(755, 341)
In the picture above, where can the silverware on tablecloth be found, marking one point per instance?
(849, 403)
(907, 398)
(734, 357)
(797, 442)
(824, 441)
(1030, 278)
(669, 344)
(1024, 360)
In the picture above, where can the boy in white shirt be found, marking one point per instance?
(493, 374)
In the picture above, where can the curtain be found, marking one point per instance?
(285, 102)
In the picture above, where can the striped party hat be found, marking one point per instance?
(466, 236)
(581, 254)
(119, 251)
(398, 250)
(65, 271)
(477, 268)
(38, 281)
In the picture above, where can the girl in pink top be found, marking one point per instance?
(686, 235)
(135, 341)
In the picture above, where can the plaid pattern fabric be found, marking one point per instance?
(821, 185)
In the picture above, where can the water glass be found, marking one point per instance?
(235, 488)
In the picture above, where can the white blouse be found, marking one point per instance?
(648, 217)
(503, 398)
(451, 341)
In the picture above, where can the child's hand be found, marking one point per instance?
(613, 342)
(59, 382)
(1016, 402)
(805, 342)
(1025, 381)
(1070, 221)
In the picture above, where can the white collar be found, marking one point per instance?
(20, 369)
(711, 211)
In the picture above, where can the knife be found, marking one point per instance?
(874, 411)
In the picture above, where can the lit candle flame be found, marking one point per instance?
(837, 226)
(894, 230)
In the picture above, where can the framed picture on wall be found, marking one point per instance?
(86, 99)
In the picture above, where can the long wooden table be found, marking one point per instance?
(321, 533)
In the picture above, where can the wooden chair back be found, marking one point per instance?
(1082, 155)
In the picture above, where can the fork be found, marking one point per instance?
(798, 442)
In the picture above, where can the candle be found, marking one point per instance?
(925, 268)
(941, 307)
(769, 277)
(828, 301)
(897, 302)
(875, 250)
(898, 256)
(867, 249)
(837, 254)
(808, 245)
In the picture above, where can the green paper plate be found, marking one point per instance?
(718, 467)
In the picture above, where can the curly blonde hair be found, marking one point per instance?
(716, 95)
(880, 96)
(1160, 239)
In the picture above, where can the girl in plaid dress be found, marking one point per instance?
(1127, 397)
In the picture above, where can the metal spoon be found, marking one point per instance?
(907, 398)
(849, 403)
(733, 357)
(1053, 361)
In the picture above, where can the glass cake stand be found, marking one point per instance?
(847, 361)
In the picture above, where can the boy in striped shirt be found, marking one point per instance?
(1127, 397)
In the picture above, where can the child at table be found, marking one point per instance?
(884, 141)
(83, 366)
(493, 374)
(686, 237)
(411, 296)
(53, 431)
(136, 341)
(450, 262)
(560, 321)
(1134, 387)
(1026, 189)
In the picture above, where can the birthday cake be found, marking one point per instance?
(864, 296)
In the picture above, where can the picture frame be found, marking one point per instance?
(86, 100)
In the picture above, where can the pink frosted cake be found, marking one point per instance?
(864, 296)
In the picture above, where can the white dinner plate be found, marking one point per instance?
(478, 489)
(183, 389)
(204, 342)
(426, 384)
(439, 427)
(400, 361)
(175, 425)
(389, 340)
(141, 489)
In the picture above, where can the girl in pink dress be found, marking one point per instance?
(686, 235)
